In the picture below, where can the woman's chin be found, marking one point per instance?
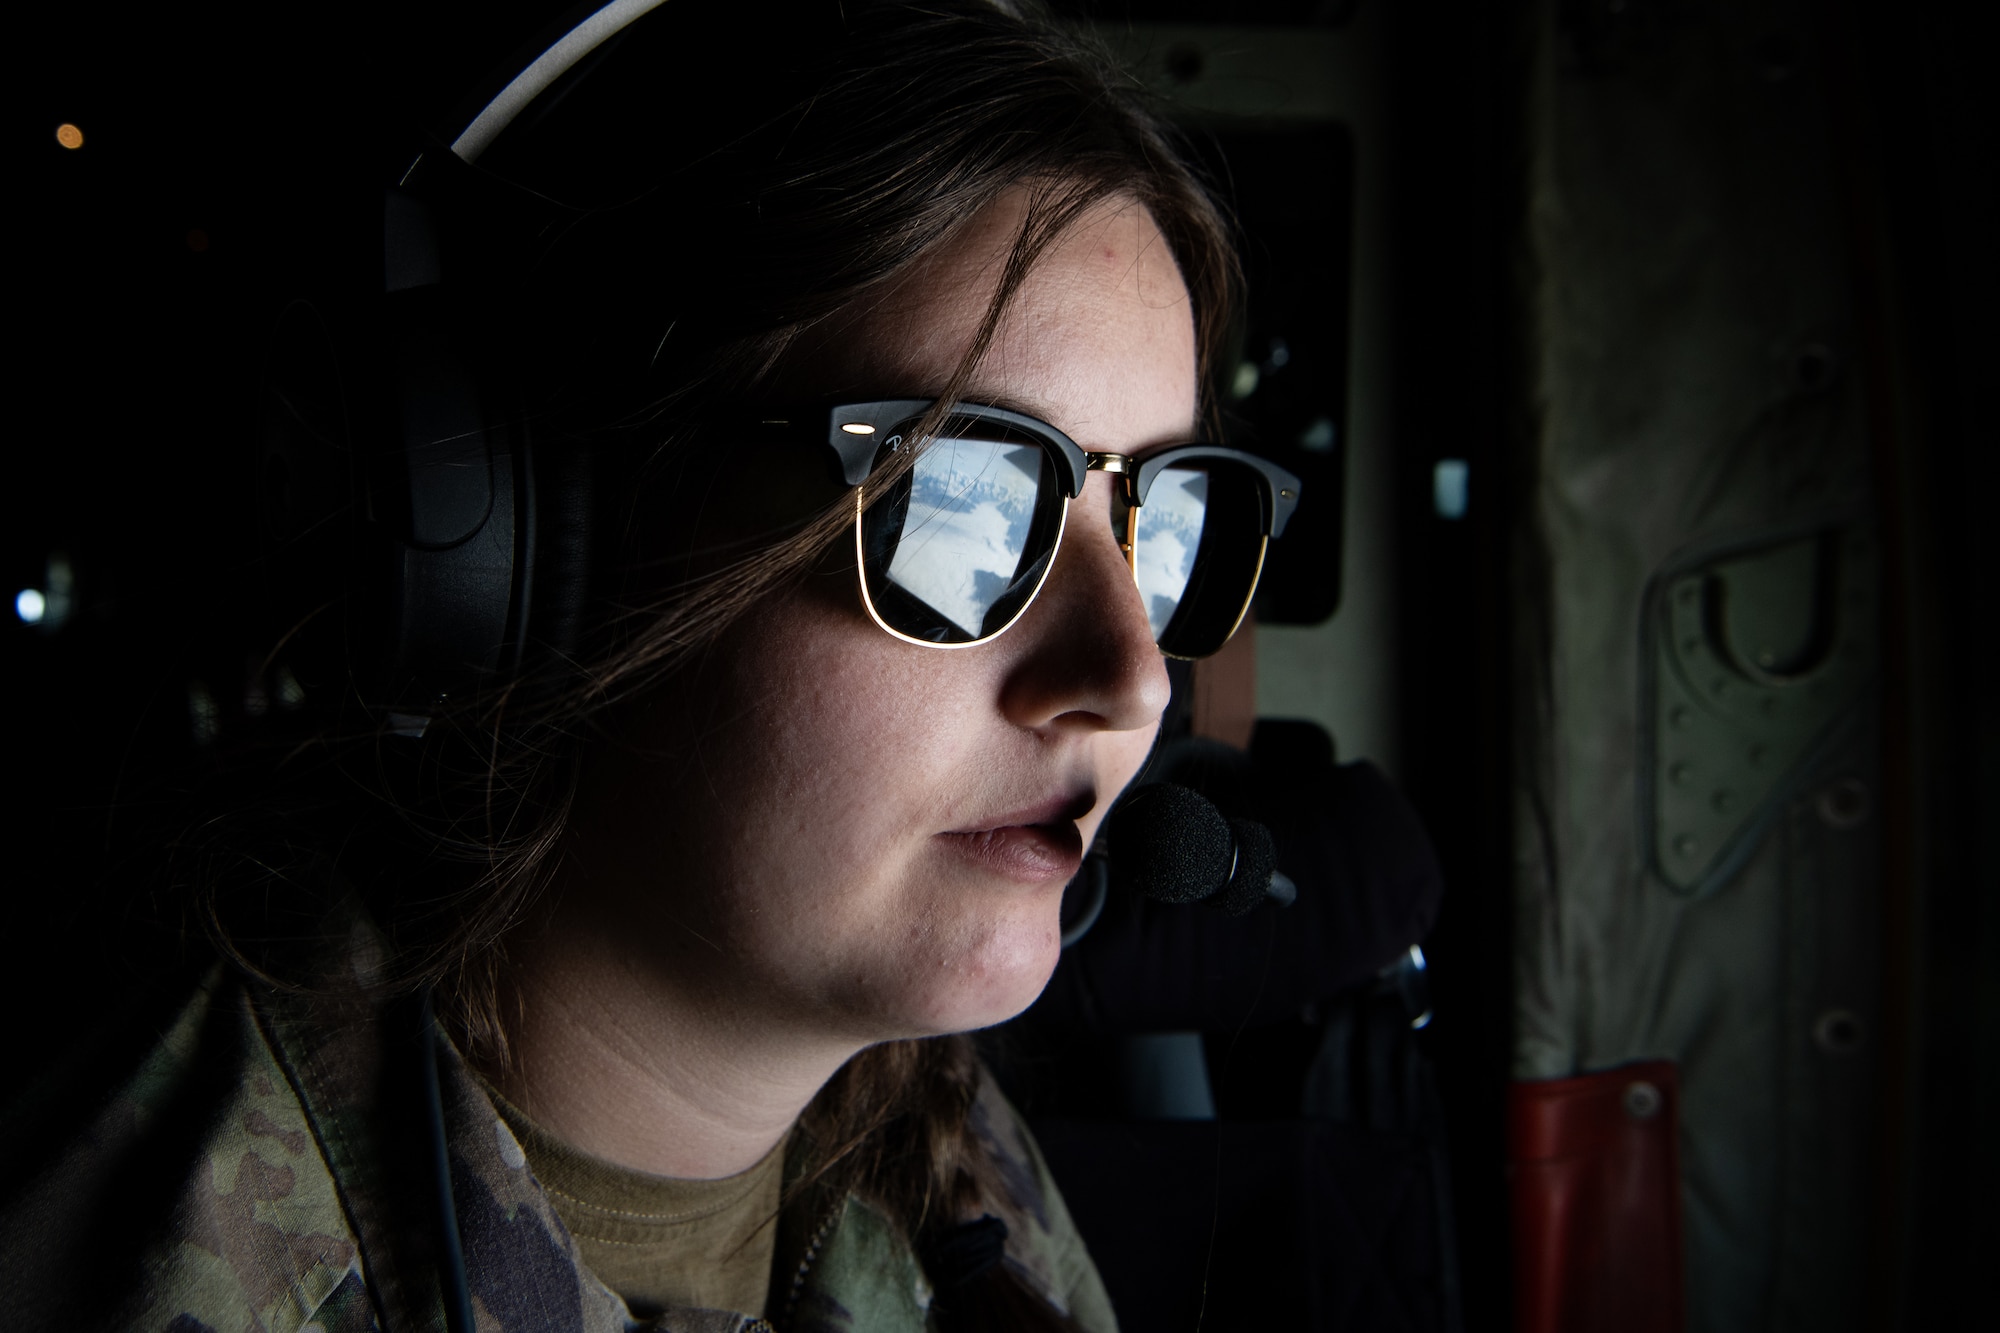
(1002, 978)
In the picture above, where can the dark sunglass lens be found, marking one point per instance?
(960, 544)
(1200, 549)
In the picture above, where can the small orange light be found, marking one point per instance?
(857, 428)
(69, 136)
(197, 240)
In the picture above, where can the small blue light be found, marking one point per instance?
(30, 605)
(1450, 486)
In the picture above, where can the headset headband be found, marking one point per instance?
(489, 547)
(544, 70)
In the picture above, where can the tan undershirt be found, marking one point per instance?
(659, 1241)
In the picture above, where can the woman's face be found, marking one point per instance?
(820, 825)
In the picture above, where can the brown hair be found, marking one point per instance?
(699, 245)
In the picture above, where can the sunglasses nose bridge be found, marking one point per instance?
(1122, 469)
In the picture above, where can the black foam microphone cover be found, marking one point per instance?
(1171, 845)
(1256, 858)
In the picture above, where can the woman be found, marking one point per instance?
(700, 895)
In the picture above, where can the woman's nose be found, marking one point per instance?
(1085, 651)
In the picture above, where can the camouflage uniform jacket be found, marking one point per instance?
(268, 1166)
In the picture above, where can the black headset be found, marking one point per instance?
(474, 552)
(396, 463)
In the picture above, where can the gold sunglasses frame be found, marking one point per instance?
(853, 430)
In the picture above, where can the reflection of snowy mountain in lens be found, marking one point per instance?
(971, 504)
(1169, 537)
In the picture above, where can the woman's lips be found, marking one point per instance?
(1038, 843)
(1033, 852)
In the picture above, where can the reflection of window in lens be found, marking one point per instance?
(1169, 537)
(971, 505)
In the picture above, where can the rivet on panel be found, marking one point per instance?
(1837, 1032)
(1844, 805)
(1642, 1100)
(1686, 845)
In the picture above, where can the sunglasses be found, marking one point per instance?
(954, 549)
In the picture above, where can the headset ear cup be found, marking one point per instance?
(448, 500)
(489, 525)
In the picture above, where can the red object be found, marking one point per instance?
(1595, 1167)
